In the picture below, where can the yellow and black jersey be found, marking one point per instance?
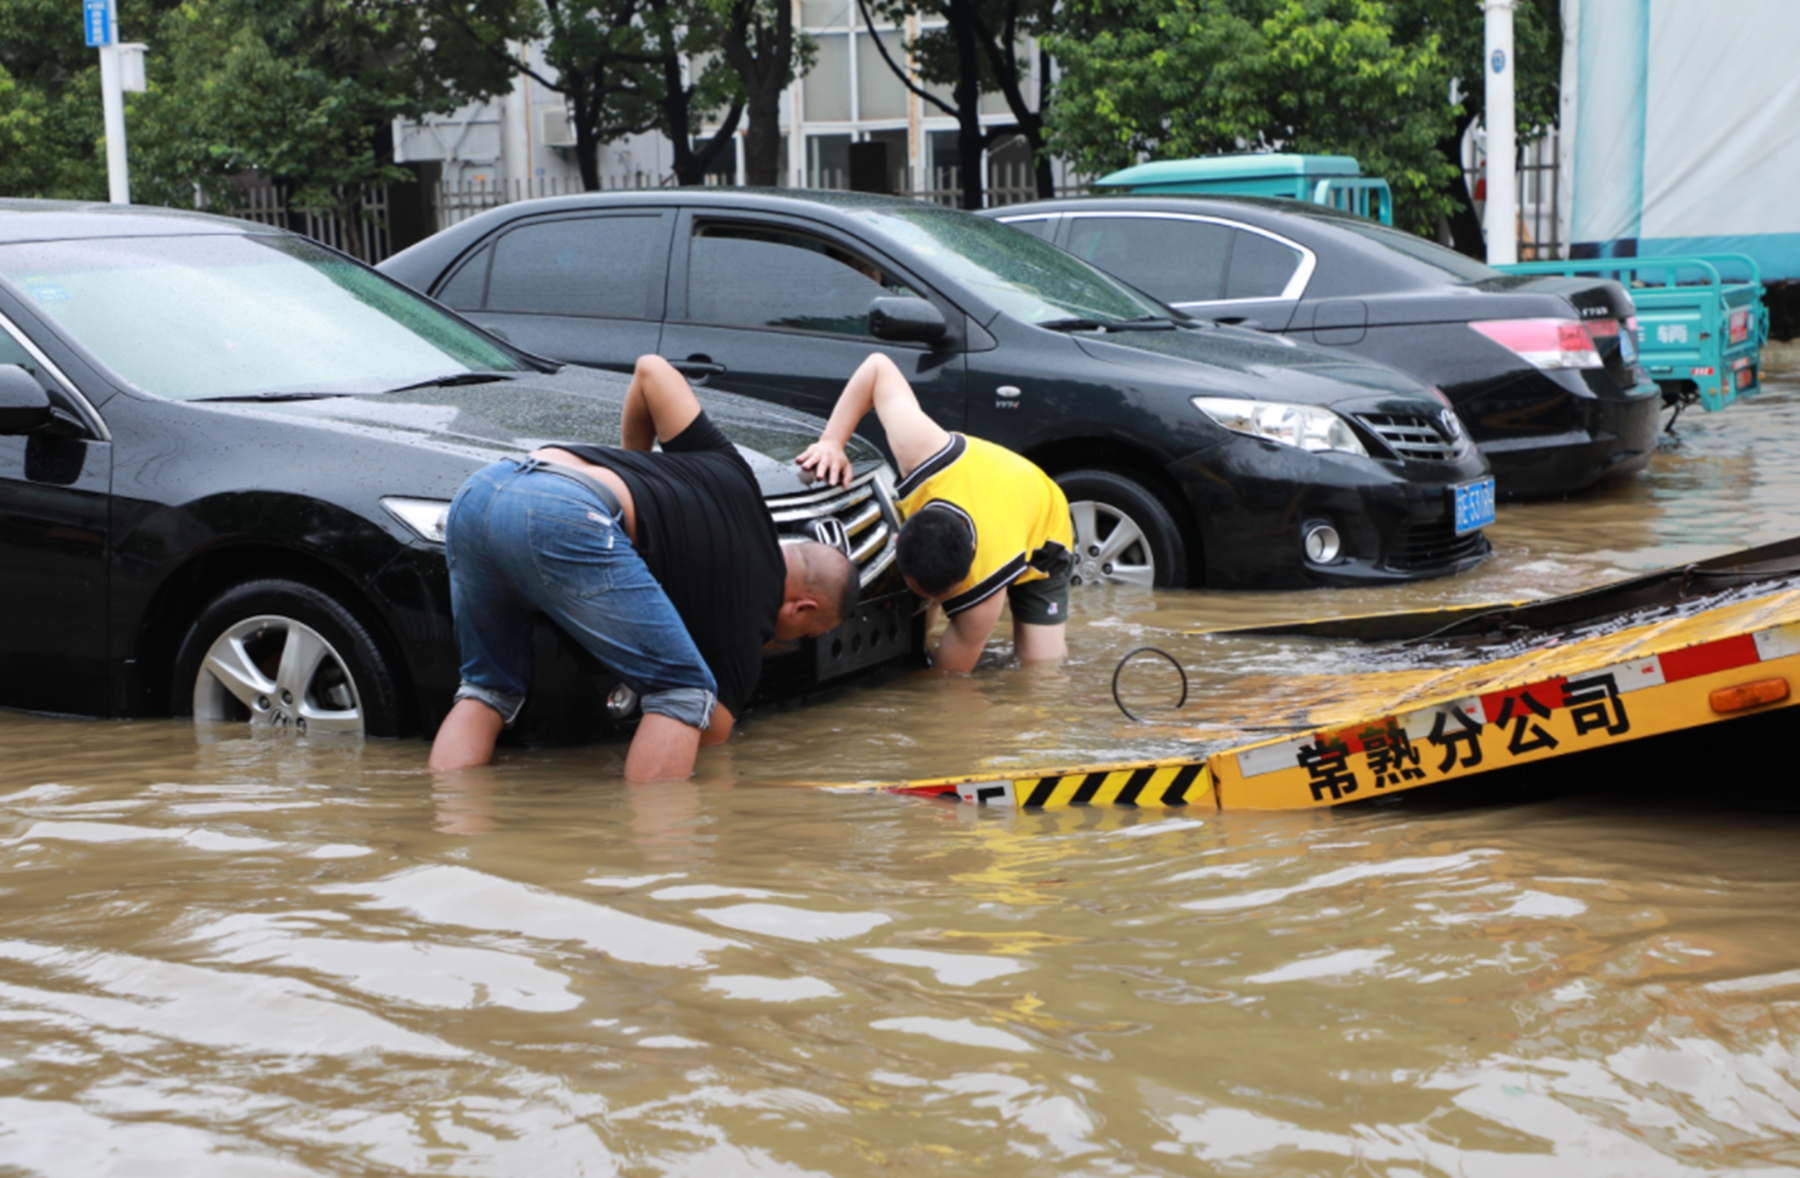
(1019, 516)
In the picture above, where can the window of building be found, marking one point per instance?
(879, 93)
(825, 92)
(828, 161)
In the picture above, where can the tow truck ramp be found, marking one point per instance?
(1452, 694)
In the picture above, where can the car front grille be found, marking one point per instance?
(1420, 546)
(1412, 435)
(864, 511)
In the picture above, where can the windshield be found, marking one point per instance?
(234, 314)
(1023, 276)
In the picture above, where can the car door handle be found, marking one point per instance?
(697, 367)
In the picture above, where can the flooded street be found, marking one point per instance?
(235, 955)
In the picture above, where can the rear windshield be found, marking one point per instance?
(222, 314)
(1438, 258)
(1022, 275)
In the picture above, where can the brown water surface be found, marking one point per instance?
(237, 955)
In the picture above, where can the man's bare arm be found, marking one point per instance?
(658, 405)
(911, 434)
(966, 635)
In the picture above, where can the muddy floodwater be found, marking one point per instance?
(230, 955)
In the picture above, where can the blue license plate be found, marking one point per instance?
(1474, 505)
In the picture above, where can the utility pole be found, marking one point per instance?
(1502, 136)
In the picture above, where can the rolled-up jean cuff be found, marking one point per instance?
(692, 706)
(507, 705)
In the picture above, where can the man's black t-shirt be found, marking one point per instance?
(708, 540)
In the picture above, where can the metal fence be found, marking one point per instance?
(363, 234)
(1539, 188)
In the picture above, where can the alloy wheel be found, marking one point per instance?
(1109, 546)
(277, 673)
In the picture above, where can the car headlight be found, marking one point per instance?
(427, 517)
(1308, 427)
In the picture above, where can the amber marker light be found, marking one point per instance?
(1749, 695)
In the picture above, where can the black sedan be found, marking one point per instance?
(226, 454)
(1543, 371)
(1191, 453)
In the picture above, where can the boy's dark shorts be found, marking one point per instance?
(1041, 603)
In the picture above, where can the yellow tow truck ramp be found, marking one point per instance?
(1494, 687)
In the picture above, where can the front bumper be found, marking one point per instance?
(1254, 501)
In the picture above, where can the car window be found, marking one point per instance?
(1427, 254)
(220, 314)
(12, 352)
(1029, 279)
(742, 275)
(1043, 228)
(602, 266)
(1260, 267)
(467, 288)
(1173, 258)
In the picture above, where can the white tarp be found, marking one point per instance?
(1686, 135)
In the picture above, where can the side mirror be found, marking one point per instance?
(900, 321)
(24, 406)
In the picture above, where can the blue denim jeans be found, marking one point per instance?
(519, 539)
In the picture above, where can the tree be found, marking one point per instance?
(303, 91)
(1167, 79)
(761, 46)
(976, 51)
(625, 67)
(1537, 77)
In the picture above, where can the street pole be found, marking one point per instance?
(100, 19)
(1502, 182)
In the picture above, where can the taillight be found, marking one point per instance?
(1601, 329)
(1547, 343)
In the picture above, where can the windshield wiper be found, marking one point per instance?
(275, 395)
(1143, 323)
(453, 379)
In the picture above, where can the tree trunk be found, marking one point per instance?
(967, 93)
(765, 71)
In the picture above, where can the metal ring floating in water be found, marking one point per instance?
(1120, 670)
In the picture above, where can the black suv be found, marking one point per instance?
(226, 454)
(1191, 453)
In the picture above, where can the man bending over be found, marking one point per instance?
(979, 519)
(664, 565)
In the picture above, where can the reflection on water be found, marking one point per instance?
(241, 955)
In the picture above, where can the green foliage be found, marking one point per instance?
(301, 90)
(1170, 79)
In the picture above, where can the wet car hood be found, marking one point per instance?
(1235, 362)
(570, 405)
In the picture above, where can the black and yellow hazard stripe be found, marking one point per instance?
(1145, 785)
(1153, 785)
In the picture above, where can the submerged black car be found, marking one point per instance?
(1542, 370)
(1191, 453)
(226, 454)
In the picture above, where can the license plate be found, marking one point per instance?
(1628, 349)
(1474, 505)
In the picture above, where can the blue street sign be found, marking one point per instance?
(96, 18)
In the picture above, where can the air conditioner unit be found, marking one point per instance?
(559, 129)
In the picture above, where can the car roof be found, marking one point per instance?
(65, 220)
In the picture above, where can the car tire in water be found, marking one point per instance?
(1123, 532)
(277, 654)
